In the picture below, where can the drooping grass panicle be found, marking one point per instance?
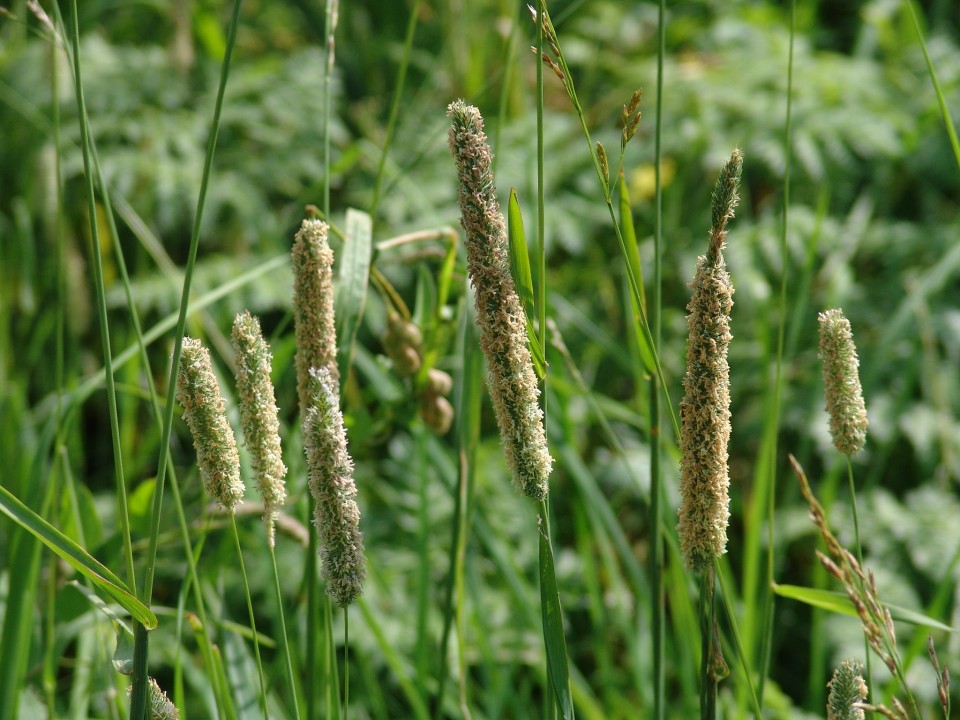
(313, 315)
(503, 338)
(330, 469)
(205, 415)
(258, 415)
(841, 382)
(847, 690)
(705, 409)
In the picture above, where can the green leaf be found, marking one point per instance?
(633, 256)
(838, 602)
(355, 261)
(554, 640)
(523, 278)
(78, 558)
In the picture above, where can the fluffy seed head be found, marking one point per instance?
(205, 415)
(161, 707)
(503, 338)
(313, 317)
(841, 383)
(331, 483)
(847, 690)
(705, 409)
(258, 415)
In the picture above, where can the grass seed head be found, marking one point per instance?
(313, 315)
(705, 409)
(847, 690)
(331, 483)
(503, 333)
(258, 415)
(205, 415)
(841, 383)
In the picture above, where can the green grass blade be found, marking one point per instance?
(78, 558)
(523, 277)
(554, 640)
(944, 110)
(838, 602)
(633, 257)
(351, 298)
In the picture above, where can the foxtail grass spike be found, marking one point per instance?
(205, 415)
(331, 483)
(847, 690)
(314, 324)
(841, 383)
(161, 707)
(503, 335)
(705, 409)
(258, 416)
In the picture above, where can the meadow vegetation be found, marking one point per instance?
(264, 200)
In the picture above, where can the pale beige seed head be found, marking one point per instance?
(841, 383)
(258, 416)
(705, 409)
(847, 690)
(205, 415)
(503, 334)
(331, 483)
(313, 315)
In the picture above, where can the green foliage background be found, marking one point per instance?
(873, 226)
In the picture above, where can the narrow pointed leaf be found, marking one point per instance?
(633, 256)
(838, 602)
(523, 277)
(554, 640)
(78, 558)
(355, 259)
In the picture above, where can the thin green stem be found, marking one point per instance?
(121, 490)
(708, 681)
(253, 622)
(608, 199)
(284, 641)
(656, 471)
(346, 662)
(394, 107)
(769, 601)
(859, 549)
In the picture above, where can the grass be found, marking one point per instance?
(847, 202)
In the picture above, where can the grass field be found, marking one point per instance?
(157, 162)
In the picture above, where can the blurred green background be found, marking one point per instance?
(873, 227)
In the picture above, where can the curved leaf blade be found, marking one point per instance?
(78, 558)
(351, 295)
(523, 277)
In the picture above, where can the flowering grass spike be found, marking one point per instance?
(205, 415)
(331, 483)
(503, 334)
(705, 409)
(841, 383)
(258, 415)
(314, 324)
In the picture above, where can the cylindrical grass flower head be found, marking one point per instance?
(705, 409)
(313, 315)
(161, 706)
(841, 383)
(205, 415)
(503, 333)
(258, 415)
(331, 483)
(847, 687)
